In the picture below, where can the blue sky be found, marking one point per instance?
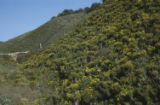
(20, 16)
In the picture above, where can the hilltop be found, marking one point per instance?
(46, 34)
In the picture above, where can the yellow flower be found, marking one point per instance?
(139, 1)
(124, 92)
(24, 100)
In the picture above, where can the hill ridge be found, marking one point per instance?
(43, 34)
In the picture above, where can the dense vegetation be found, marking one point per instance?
(87, 10)
(110, 58)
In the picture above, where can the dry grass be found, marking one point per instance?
(17, 93)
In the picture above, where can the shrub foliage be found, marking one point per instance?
(111, 58)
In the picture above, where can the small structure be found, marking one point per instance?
(14, 55)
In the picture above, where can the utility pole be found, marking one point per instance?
(40, 45)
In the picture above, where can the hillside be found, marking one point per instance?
(54, 29)
(111, 58)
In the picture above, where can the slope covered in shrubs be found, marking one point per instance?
(111, 58)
